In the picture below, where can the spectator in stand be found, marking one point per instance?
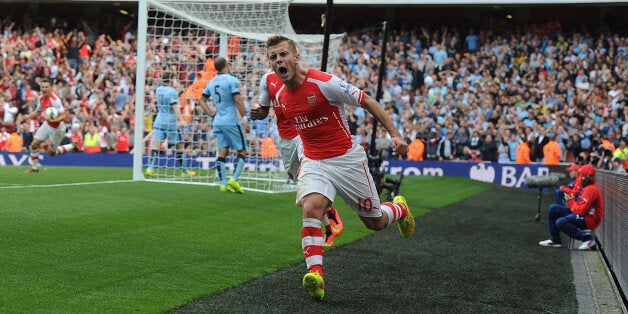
(268, 149)
(446, 148)
(10, 111)
(489, 149)
(4, 137)
(503, 155)
(551, 151)
(122, 141)
(416, 149)
(431, 148)
(474, 155)
(475, 142)
(75, 136)
(72, 43)
(102, 138)
(472, 41)
(111, 138)
(523, 152)
(621, 153)
(91, 140)
(461, 139)
(14, 143)
(382, 145)
(512, 142)
(606, 160)
(26, 135)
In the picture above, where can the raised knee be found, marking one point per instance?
(553, 208)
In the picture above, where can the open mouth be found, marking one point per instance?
(282, 70)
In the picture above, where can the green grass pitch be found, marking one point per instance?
(90, 240)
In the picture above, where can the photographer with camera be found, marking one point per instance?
(579, 214)
(606, 160)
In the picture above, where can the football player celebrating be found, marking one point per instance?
(52, 128)
(333, 162)
(291, 147)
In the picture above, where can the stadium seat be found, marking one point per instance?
(574, 243)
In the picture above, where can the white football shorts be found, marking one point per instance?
(55, 135)
(347, 175)
(291, 154)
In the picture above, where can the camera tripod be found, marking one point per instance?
(541, 182)
(537, 217)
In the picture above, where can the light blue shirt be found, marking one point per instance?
(440, 56)
(221, 90)
(167, 97)
(472, 41)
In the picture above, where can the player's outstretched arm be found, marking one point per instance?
(396, 141)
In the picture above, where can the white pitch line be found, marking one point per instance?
(62, 184)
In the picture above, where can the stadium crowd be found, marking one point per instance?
(455, 94)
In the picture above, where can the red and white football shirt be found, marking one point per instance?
(51, 101)
(316, 109)
(270, 85)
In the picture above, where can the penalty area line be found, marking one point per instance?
(62, 184)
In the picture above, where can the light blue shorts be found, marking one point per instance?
(232, 136)
(174, 135)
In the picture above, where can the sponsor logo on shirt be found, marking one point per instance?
(302, 122)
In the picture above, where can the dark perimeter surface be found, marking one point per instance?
(477, 255)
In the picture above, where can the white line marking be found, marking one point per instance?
(63, 184)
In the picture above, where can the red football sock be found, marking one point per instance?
(312, 244)
(395, 211)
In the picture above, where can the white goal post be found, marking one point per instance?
(184, 37)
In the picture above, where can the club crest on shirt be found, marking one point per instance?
(311, 100)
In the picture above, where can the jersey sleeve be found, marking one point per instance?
(206, 91)
(58, 104)
(174, 96)
(264, 94)
(339, 91)
(234, 86)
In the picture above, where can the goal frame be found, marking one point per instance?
(144, 7)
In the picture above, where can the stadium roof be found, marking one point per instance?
(455, 2)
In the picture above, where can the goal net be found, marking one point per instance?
(184, 37)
